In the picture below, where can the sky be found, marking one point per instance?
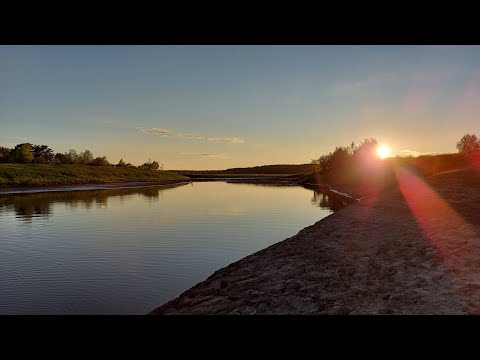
(218, 107)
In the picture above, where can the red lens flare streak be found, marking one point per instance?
(439, 222)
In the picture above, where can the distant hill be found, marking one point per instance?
(264, 169)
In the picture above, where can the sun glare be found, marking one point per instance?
(383, 151)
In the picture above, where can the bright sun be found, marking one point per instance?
(383, 151)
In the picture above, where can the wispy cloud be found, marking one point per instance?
(178, 135)
(214, 156)
(361, 86)
(414, 153)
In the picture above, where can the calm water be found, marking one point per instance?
(127, 251)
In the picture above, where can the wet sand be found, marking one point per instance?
(414, 249)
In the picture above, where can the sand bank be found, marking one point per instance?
(84, 187)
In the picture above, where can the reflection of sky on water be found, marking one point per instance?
(126, 251)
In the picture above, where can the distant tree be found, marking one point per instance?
(325, 163)
(122, 163)
(100, 161)
(150, 165)
(60, 159)
(366, 149)
(4, 154)
(84, 158)
(55, 161)
(71, 157)
(340, 158)
(22, 153)
(42, 154)
(468, 144)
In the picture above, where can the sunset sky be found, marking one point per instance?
(217, 107)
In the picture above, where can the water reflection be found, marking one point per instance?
(323, 198)
(123, 251)
(39, 206)
(329, 200)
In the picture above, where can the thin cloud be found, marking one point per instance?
(414, 153)
(361, 86)
(178, 135)
(214, 156)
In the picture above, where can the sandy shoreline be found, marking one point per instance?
(133, 184)
(414, 249)
(85, 187)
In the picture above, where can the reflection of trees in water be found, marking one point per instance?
(328, 200)
(323, 198)
(28, 206)
(27, 209)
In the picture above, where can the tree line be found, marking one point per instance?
(343, 157)
(27, 153)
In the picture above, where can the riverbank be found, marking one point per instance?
(413, 249)
(89, 187)
(30, 176)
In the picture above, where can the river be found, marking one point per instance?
(127, 251)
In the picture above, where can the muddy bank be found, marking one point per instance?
(414, 249)
(80, 187)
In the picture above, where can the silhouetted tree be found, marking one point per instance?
(122, 163)
(366, 149)
(468, 144)
(59, 159)
(4, 154)
(42, 154)
(150, 165)
(325, 163)
(84, 158)
(22, 153)
(340, 157)
(100, 161)
(71, 157)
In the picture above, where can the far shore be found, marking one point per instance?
(86, 187)
(99, 185)
(136, 184)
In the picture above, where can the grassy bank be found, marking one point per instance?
(18, 175)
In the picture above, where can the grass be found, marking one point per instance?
(18, 175)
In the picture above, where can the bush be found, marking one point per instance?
(100, 161)
(150, 165)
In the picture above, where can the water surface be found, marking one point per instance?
(127, 251)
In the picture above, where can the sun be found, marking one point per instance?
(383, 151)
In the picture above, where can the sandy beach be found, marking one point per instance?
(414, 249)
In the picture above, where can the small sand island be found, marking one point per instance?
(412, 249)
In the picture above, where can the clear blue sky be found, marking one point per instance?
(215, 107)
